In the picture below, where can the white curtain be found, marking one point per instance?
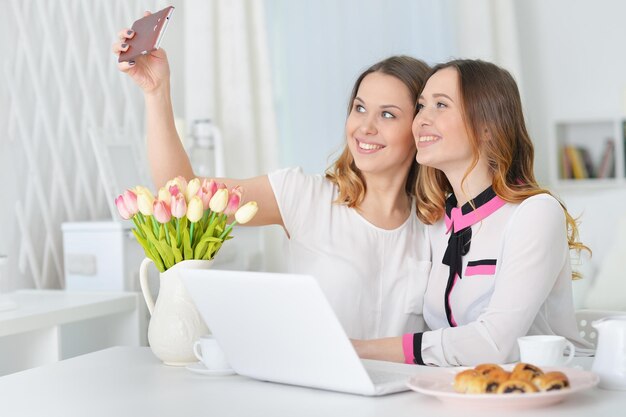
(227, 79)
(487, 29)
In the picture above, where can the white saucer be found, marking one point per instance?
(199, 368)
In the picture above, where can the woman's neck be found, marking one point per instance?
(386, 203)
(476, 182)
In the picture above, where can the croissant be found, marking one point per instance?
(551, 381)
(525, 372)
(513, 386)
(492, 378)
(463, 379)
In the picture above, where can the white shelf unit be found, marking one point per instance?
(591, 136)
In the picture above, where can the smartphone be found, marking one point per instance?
(149, 31)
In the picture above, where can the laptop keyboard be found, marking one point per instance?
(382, 377)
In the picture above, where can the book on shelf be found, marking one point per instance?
(566, 166)
(606, 169)
(576, 160)
(586, 158)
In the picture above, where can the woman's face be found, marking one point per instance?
(440, 134)
(378, 128)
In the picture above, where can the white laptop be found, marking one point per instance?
(280, 328)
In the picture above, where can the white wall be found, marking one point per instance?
(574, 67)
(58, 83)
(318, 50)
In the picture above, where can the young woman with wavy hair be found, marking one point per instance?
(500, 243)
(355, 229)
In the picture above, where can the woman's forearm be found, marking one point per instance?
(387, 349)
(166, 154)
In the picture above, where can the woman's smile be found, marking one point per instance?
(364, 147)
(427, 140)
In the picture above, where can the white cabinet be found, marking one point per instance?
(588, 153)
(51, 325)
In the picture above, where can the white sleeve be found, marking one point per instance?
(296, 195)
(534, 251)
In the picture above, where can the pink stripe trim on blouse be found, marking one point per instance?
(407, 348)
(480, 270)
(461, 221)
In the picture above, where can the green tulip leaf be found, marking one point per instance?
(166, 253)
(156, 258)
(200, 250)
(187, 251)
(178, 256)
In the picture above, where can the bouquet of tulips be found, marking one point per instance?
(187, 220)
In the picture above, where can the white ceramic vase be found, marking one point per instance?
(175, 323)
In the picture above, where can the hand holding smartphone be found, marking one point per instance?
(149, 31)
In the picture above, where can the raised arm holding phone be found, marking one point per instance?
(366, 197)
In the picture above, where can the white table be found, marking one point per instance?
(125, 381)
(49, 325)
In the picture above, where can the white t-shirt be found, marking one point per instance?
(516, 281)
(373, 278)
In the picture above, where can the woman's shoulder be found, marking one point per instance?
(540, 212)
(296, 176)
(292, 185)
(543, 203)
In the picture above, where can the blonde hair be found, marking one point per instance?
(344, 172)
(491, 106)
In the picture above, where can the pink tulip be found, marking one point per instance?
(161, 211)
(181, 182)
(174, 190)
(234, 200)
(205, 196)
(130, 201)
(121, 207)
(179, 206)
(210, 185)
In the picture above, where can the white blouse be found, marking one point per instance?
(516, 280)
(373, 278)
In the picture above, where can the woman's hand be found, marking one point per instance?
(388, 349)
(151, 71)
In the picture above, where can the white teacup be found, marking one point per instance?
(209, 352)
(545, 350)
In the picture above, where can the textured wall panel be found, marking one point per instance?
(58, 81)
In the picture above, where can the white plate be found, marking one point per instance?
(199, 368)
(440, 385)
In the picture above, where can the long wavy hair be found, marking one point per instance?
(344, 172)
(492, 108)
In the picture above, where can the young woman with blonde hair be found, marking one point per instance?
(355, 229)
(500, 243)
